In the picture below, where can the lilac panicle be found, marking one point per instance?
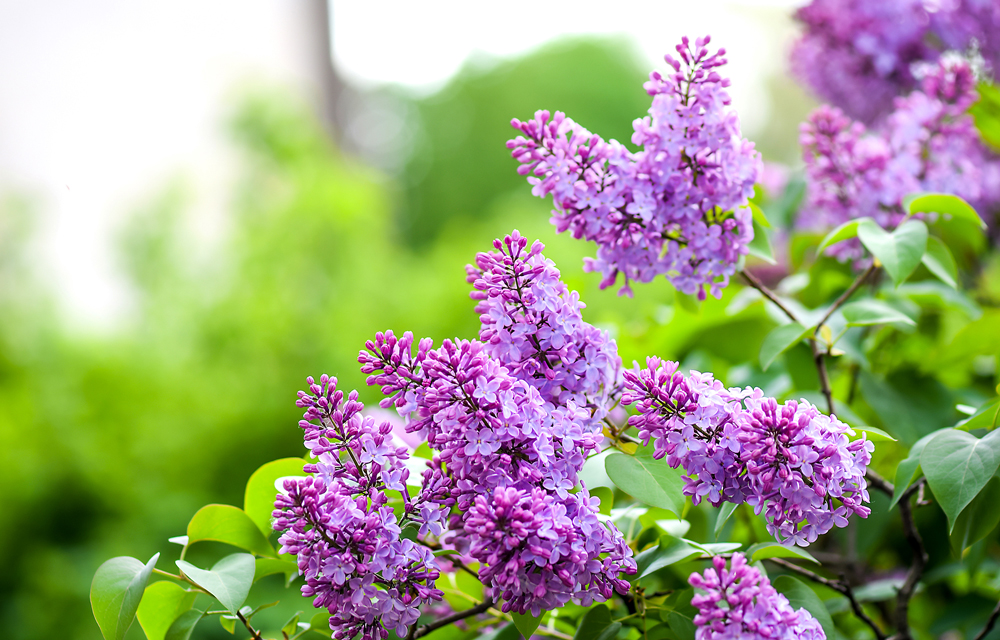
(337, 522)
(790, 462)
(927, 144)
(512, 420)
(678, 207)
(740, 603)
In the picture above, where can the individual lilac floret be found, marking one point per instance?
(928, 144)
(691, 421)
(678, 206)
(740, 603)
(532, 323)
(539, 552)
(338, 524)
(802, 470)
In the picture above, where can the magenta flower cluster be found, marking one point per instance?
(927, 144)
(338, 523)
(738, 603)
(678, 207)
(788, 461)
(511, 420)
(858, 55)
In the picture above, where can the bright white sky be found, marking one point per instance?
(103, 103)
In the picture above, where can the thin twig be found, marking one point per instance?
(847, 294)
(920, 559)
(419, 632)
(246, 623)
(841, 586)
(880, 483)
(989, 623)
(767, 293)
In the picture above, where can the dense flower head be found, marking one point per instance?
(790, 462)
(532, 323)
(739, 603)
(859, 55)
(927, 144)
(512, 419)
(338, 523)
(678, 206)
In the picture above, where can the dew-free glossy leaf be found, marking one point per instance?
(162, 603)
(977, 519)
(801, 596)
(116, 592)
(183, 627)
(909, 468)
(900, 251)
(681, 625)
(985, 418)
(947, 204)
(725, 511)
(258, 498)
(229, 524)
(870, 311)
(764, 550)
(780, 340)
(940, 262)
(526, 623)
(845, 231)
(958, 465)
(647, 479)
(669, 551)
(229, 580)
(593, 623)
(270, 566)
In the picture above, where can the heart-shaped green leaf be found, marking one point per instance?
(870, 311)
(944, 203)
(780, 340)
(958, 465)
(845, 231)
(900, 251)
(229, 524)
(800, 596)
(162, 603)
(229, 580)
(594, 623)
(977, 519)
(258, 499)
(116, 592)
(647, 479)
(940, 262)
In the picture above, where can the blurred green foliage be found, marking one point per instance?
(109, 444)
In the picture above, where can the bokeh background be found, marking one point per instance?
(201, 203)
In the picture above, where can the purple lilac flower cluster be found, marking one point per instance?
(790, 462)
(679, 206)
(740, 603)
(858, 55)
(928, 144)
(338, 523)
(511, 420)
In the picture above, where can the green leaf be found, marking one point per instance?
(958, 465)
(320, 621)
(780, 340)
(940, 262)
(116, 591)
(764, 550)
(725, 511)
(258, 499)
(681, 625)
(292, 625)
(225, 523)
(900, 251)
(669, 551)
(760, 246)
(800, 596)
(607, 498)
(506, 632)
(229, 579)
(183, 627)
(978, 519)
(593, 623)
(845, 231)
(228, 623)
(870, 311)
(162, 603)
(758, 215)
(945, 204)
(269, 566)
(909, 468)
(526, 623)
(982, 419)
(873, 433)
(647, 479)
